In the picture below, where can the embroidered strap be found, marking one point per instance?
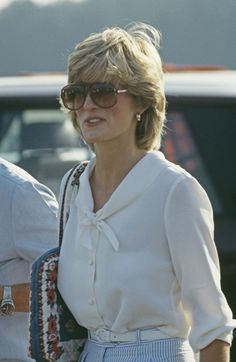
(71, 181)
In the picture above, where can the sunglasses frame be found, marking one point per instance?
(88, 89)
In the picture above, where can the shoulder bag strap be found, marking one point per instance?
(73, 176)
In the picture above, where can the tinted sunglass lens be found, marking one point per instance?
(103, 95)
(73, 96)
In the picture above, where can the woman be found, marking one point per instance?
(138, 265)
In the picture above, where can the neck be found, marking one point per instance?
(113, 164)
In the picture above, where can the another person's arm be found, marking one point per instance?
(34, 230)
(34, 221)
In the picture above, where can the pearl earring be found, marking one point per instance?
(138, 117)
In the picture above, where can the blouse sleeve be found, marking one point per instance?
(190, 229)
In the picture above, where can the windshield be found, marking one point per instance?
(42, 141)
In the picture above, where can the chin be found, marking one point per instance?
(91, 140)
(94, 138)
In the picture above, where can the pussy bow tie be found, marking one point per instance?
(89, 218)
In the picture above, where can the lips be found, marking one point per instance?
(92, 121)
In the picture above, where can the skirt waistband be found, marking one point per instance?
(104, 335)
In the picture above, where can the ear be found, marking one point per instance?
(142, 105)
(141, 110)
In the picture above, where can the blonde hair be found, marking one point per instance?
(129, 58)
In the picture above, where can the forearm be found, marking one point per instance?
(20, 296)
(217, 351)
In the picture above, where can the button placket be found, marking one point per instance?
(92, 266)
(91, 301)
(91, 263)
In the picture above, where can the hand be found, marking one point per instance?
(217, 351)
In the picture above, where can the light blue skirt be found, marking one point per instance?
(162, 350)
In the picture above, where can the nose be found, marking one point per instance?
(88, 102)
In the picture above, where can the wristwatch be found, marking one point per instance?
(7, 307)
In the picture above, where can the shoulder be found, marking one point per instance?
(13, 175)
(169, 172)
(174, 179)
(23, 186)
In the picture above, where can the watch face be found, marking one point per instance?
(7, 308)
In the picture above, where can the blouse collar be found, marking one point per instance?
(139, 178)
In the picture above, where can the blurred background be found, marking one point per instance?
(39, 35)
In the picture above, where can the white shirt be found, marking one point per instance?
(28, 228)
(147, 258)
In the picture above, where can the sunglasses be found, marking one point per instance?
(104, 95)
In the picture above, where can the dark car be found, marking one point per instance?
(34, 132)
(200, 136)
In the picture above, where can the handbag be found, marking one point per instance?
(54, 333)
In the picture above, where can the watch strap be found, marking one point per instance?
(7, 306)
(7, 293)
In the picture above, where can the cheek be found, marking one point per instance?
(123, 111)
(126, 118)
(127, 110)
(77, 125)
(76, 121)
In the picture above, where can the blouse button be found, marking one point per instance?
(90, 262)
(91, 301)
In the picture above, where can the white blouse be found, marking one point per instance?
(147, 258)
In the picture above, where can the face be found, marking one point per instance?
(108, 125)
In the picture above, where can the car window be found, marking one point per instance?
(179, 147)
(9, 136)
(42, 141)
(200, 138)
